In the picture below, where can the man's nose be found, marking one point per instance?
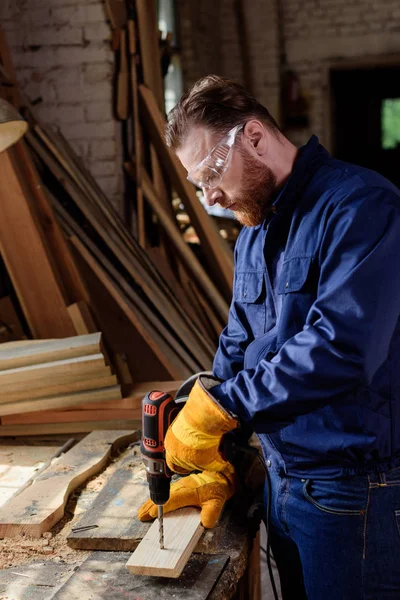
(212, 196)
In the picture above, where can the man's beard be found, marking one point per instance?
(253, 202)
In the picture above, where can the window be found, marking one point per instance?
(390, 123)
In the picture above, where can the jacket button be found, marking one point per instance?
(287, 284)
(268, 463)
(244, 294)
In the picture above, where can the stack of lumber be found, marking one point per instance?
(38, 374)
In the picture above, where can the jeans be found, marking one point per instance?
(336, 539)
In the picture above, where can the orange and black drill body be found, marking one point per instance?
(158, 411)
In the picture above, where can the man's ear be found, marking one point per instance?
(255, 134)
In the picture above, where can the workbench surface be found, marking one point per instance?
(48, 568)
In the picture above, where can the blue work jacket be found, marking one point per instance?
(310, 357)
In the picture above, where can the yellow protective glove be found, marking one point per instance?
(193, 439)
(209, 491)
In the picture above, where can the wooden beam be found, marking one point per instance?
(27, 263)
(66, 401)
(50, 389)
(41, 505)
(60, 428)
(54, 373)
(58, 251)
(186, 254)
(48, 351)
(71, 416)
(182, 531)
(219, 256)
(82, 318)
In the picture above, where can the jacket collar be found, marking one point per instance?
(311, 156)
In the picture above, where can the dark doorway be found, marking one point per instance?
(366, 118)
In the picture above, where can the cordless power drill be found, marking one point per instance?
(159, 409)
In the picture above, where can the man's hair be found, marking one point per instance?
(216, 103)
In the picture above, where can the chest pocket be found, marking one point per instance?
(297, 285)
(250, 295)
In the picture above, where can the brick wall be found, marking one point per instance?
(316, 32)
(61, 52)
(242, 44)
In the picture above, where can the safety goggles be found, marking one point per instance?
(210, 171)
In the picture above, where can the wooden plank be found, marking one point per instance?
(65, 401)
(58, 251)
(136, 132)
(113, 515)
(12, 357)
(82, 318)
(152, 76)
(104, 575)
(185, 253)
(182, 531)
(71, 416)
(60, 371)
(26, 260)
(219, 256)
(55, 428)
(18, 464)
(41, 506)
(92, 382)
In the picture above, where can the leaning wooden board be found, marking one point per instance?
(41, 505)
(182, 531)
(27, 263)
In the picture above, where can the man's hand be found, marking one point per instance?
(193, 440)
(209, 491)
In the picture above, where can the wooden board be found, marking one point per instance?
(64, 268)
(18, 464)
(219, 256)
(114, 512)
(82, 318)
(70, 416)
(57, 372)
(104, 575)
(12, 357)
(53, 428)
(186, 254)
(53, 402)
(41, 505)
(27, 263)
(182, 531)
(92, 382)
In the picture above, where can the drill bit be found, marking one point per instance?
(161, 526)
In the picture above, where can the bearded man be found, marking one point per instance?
(309, 357)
